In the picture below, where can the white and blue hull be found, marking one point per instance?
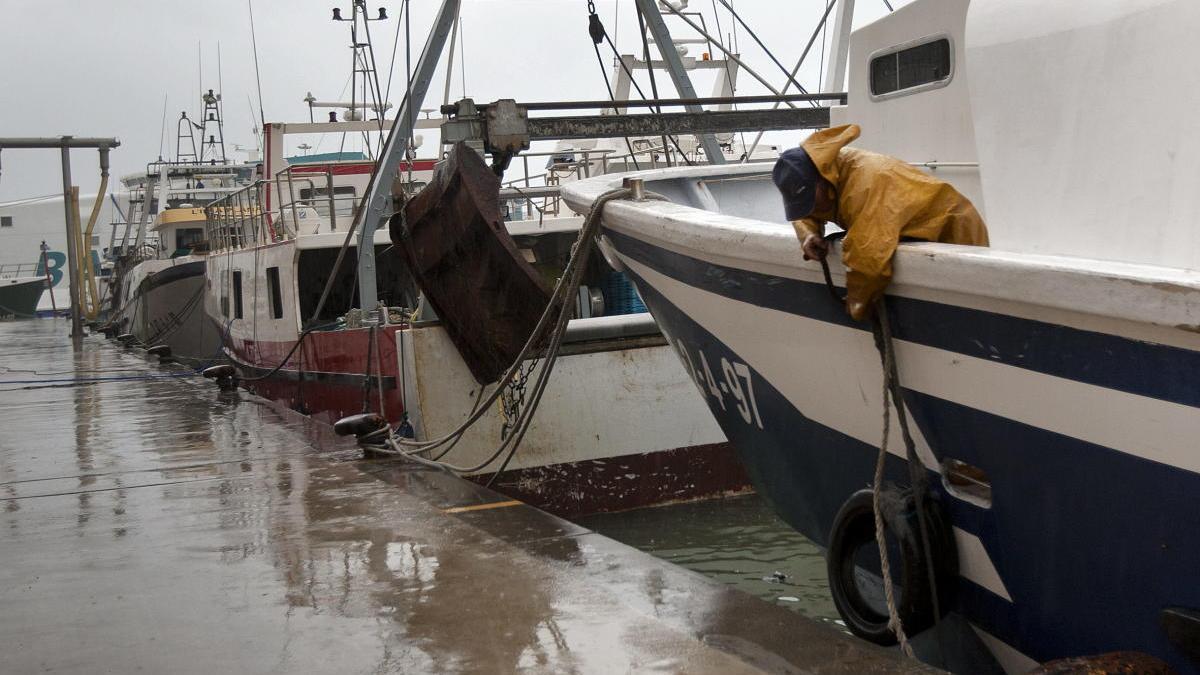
(1084, 420)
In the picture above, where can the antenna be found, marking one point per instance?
(212, 130)
(162, 133)
(363, 64)
(183, 131)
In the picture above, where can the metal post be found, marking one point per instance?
(450, 60)
(332, 203)
(72, 242)
(376, 208)
(839, 48)
(666, 47)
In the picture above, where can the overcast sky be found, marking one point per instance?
(103, 67)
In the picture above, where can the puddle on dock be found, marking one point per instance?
(738, 541)
(149, 523)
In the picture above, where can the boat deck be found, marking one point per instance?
(149, 523)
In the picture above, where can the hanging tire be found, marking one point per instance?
(854, 528)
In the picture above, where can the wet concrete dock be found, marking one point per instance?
(150, 524)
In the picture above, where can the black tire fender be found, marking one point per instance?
(854, 527)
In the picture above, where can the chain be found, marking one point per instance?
(512, 401)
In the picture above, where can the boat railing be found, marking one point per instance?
(238, 219)
(14, 270)
(543, 198)
(324, 198)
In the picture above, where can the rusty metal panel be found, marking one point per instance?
(462, 257)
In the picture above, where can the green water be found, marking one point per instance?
(738, 541)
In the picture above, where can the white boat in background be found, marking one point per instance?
(1051, 379)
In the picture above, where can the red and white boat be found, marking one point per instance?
(622, 424)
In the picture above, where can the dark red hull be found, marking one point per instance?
(628, 481)
(325, 377)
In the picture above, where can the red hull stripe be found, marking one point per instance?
(357, 169)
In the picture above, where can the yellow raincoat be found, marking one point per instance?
(879, 200)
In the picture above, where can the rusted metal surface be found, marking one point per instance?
(626, 482)
(1112, 663)
(453, 237)
(709, 121)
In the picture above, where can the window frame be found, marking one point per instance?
(911, 44)
(238, 310)
(274, 292)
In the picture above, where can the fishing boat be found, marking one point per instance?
(1049, 380)
(300, 329)
(160, 262)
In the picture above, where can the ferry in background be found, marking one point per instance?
(33, 243)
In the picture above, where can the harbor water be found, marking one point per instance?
(737, 541)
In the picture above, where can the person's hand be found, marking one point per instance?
(815, 248)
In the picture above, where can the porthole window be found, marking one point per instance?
(911, 67)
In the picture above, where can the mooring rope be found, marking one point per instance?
(892, 395)
(550, 326)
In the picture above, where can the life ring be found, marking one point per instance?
(854, 528)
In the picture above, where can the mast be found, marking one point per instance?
(683, 84)
(839, 49)
(379, 199)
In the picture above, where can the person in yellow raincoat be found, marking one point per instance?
(877, 199)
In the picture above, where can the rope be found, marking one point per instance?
(889, 360)
(559, 301)
(597, 33)
(892, 395)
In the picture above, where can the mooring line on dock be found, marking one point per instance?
(59, 383)
(183, 467)
(128, 487)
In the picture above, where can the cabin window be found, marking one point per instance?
(237, 294)
(344, 199)
(275, 293)
(186, 238)
(5, 221)
(911, 67)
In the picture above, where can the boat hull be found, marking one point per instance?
(620, 425)
(19, 297)
(1068, 383)
(1038, 566)
(167, 307)
(325, 376)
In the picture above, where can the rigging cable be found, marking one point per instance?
(638, 88)
(262, 118)
(387, 93)
(803, 55)
(728, 75)
(597, 33)
(790, 78)
(650, 71)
